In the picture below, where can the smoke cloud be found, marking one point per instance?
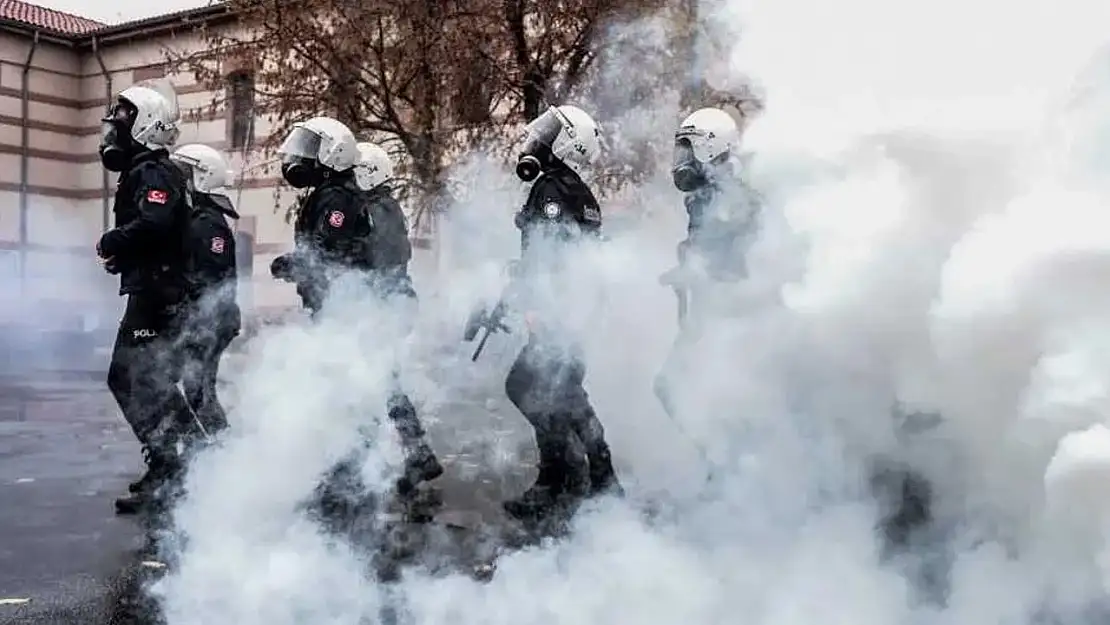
(935, 181)
(60, 305)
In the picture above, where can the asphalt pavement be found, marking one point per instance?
(66, 453)
(64, 456)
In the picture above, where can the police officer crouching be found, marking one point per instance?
(212, 315)
(351, 222)
(546, 381)
(146, 250)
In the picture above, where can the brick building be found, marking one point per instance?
(57, 73)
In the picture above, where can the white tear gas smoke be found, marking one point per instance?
(59, 304)
(934, 243)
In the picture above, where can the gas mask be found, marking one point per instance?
(535, 155)
(528, 167)
(301, 173)
(299, 153)
(688, 173)
(117, 146)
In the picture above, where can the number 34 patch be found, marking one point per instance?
(217, 245)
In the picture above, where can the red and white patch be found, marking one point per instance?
(156, 196)
(335, 218)
(217, 245)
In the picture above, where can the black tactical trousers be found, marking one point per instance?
(342, 492)
(546, 384)
(399, 407)
(202, 348)
(144, 371)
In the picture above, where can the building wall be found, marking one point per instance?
(48, 218)
(48, 256)
(68, 194)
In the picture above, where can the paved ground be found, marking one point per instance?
(65, 454)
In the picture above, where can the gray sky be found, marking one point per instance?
(119, 10)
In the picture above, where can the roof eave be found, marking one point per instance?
(108, 35)
(154, 25)
(45, 34)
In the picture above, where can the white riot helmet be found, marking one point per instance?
(143, 116)
(374, 166)
(204, 166)
(705, 139)
(315, 147)
(565, 134)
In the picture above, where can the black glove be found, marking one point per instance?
(112, 267)
(282, 267)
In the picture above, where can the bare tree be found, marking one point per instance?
(545, 49)
(427, 79)
(387, 68)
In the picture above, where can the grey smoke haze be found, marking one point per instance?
(40, 327)
(936, 194)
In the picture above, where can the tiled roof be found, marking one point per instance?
(164, 17)
(49, 19)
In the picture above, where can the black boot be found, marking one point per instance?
(536, 502)
(421, 465)
(141, 483)
(545, 496)
(162, 469)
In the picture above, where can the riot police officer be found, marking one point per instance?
(213, 318)
(351, 222)
(723, 220)
(546, 381)
(146, 250)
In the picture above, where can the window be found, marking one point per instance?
(240, 88)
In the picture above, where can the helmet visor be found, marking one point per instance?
(683, 153)
(541, 132)
(301, 143)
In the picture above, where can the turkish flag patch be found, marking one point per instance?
(156, 196)
(335, 218)
(217, 245)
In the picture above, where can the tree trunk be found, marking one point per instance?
(535, 88)
(425, 146)
(693, 90)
